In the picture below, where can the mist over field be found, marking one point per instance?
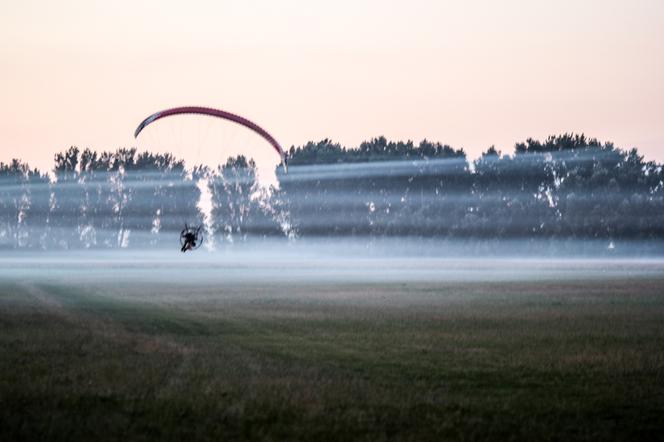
(324, 260)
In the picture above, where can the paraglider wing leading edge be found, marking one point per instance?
(219, 114)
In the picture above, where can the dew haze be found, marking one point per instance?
(312, 261)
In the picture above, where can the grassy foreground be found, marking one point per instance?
(575, 360)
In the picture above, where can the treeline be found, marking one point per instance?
(377, 149)
(125, 198)
(568, 187)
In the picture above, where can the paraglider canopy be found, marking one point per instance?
(218, 114)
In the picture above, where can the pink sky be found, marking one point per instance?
(467, 73)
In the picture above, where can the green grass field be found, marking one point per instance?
(511, 360)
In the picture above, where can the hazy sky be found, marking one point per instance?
(466, 73)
